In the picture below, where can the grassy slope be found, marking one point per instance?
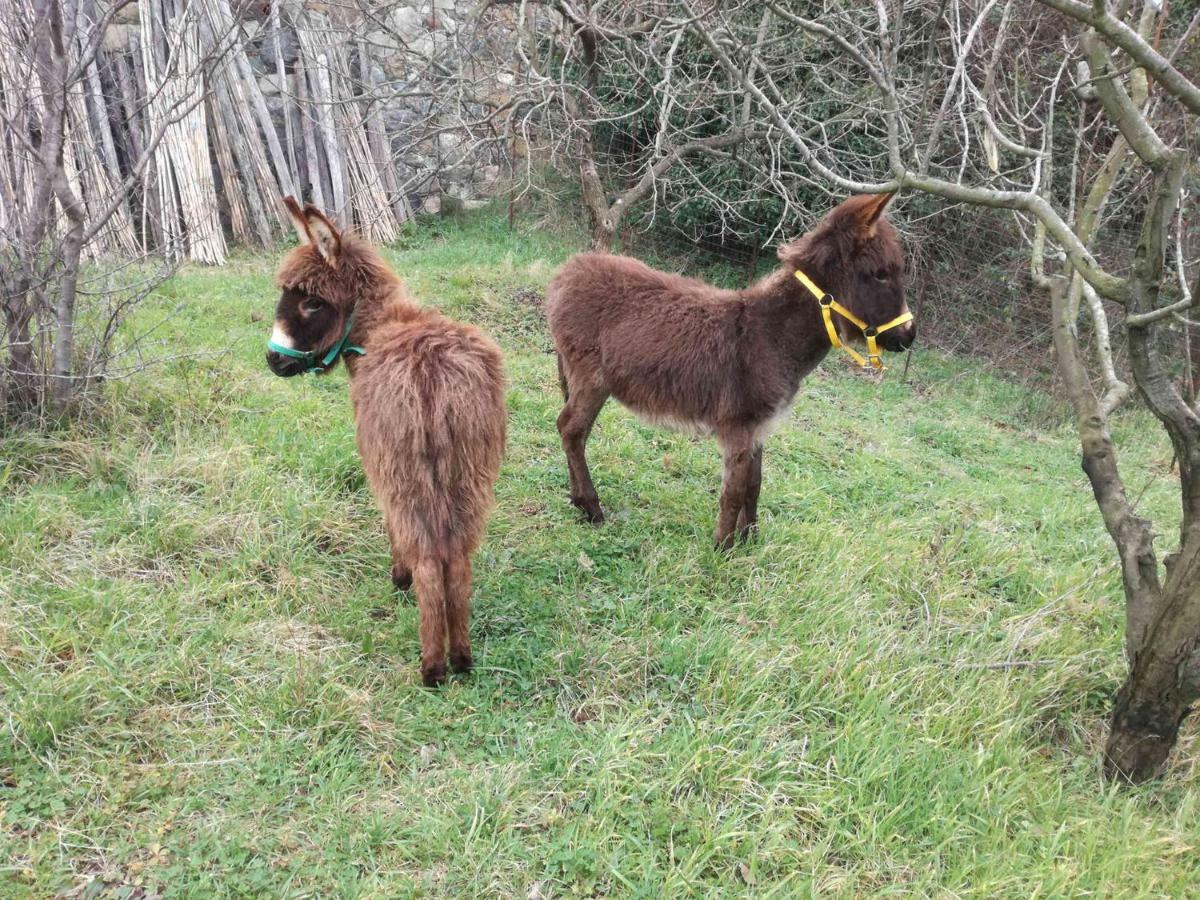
(207, 683)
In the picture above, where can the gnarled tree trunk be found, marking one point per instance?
(1164, 677)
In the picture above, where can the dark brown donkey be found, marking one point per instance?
(680, 352)
(429, 412)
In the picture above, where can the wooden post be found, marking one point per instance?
(311, 158)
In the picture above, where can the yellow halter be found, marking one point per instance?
(829, 306)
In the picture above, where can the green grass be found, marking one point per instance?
(209, 688)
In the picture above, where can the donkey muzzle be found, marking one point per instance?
(284, 366)
(899, 339)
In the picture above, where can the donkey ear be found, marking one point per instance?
(326, 238)
(298, 221)
(872, 211)
(324, 235)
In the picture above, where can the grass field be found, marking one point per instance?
(208, 686)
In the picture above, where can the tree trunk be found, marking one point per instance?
(1132, 534)
(54, 80)
(1164, 678)
(18, 389)
(604, 223)
(604, 218)
(63, 387)
(603, 233)
(1164, 672)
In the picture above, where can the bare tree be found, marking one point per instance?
(76, 174)
(152, 129)
(1070, 115)
(617, 92)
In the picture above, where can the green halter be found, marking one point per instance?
(313, 363)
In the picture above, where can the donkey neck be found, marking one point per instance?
(383, 302)
(789, 321)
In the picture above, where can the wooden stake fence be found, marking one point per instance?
(224, 160)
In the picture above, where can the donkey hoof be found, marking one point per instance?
(434, 676)
(461, 662)
(724, 544)
(591, 510)
(747, 533)
(402, 577)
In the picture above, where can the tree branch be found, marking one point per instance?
(1081, 258)
(1121, 35)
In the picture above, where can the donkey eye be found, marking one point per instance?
(311, 304)
(883, 275)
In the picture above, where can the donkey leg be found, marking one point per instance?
(458, 611)
(738, 449)
(575, 425)
(402, 575)
(747, 521)
(431, 610)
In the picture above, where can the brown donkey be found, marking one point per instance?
(680, 352)
(428, 396)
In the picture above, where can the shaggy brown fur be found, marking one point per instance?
(429, 412)
(681, 352)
